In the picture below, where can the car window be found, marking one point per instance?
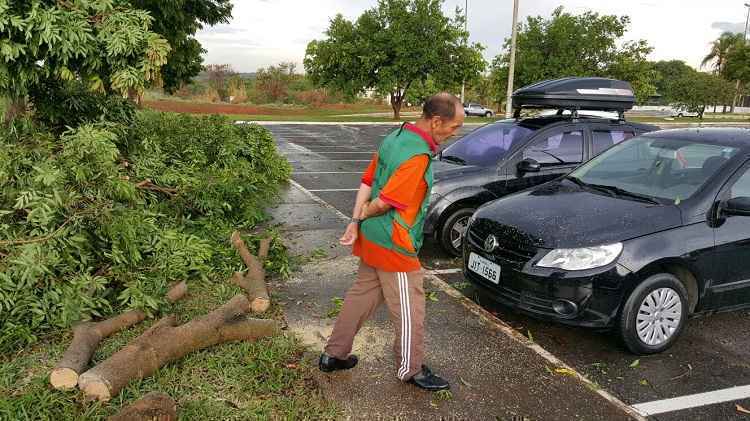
(604, 139)
(487, 145)
(670, 169)
(561, 148)
(741, 188)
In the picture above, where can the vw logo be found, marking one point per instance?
(490, 244)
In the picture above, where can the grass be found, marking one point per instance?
(268, 379)
(337, 119)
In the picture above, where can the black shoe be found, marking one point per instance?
(328, 363)
(428, 381)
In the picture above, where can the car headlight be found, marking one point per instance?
(581, 258)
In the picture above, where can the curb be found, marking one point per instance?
(501, 326)
(498, 324)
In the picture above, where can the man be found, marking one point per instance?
(386, 233)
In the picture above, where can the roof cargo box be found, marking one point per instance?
(577, 93)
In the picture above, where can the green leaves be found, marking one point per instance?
(112, 47)
(588, 44)
(78, 240)
(393, 46)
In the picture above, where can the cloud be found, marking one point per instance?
(736, 28)
(221, 29)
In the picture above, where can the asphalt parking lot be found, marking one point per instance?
(711, 358)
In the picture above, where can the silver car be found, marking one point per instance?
(477, 110)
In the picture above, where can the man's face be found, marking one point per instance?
(444, 129)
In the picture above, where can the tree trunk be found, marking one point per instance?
(86, 337)
(165, 342)
(15, 107)
(177, 292)
(254, 282)
(155, 406)
(396, 102)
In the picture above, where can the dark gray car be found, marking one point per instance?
(508, 156)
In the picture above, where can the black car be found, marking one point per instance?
(512, 155)
(653, 230)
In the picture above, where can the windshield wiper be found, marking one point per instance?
(621, 192)
(550, 154)
(613, 190)
(454, 159)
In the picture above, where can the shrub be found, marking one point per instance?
(80, 240)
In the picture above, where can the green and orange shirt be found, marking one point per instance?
(405, 191)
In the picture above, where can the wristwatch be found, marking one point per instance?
(356, 221)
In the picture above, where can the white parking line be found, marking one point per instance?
(692, 401)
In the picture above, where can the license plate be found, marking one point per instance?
(484, 267)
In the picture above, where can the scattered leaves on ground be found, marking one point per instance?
(337, 303)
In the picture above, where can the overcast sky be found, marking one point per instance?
(267, 32)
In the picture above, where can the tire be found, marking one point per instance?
(488, 114)
(662, 283)
(449, 230)
(680, 115)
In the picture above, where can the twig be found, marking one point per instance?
(39, 239)
(147, 184)
(690, 370)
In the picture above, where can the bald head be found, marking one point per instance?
(442, 116)
(443, 105)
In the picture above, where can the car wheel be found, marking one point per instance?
(654, 314)
(488, 114)
(680, 115)
(451, 234)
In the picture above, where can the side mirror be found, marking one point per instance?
(529, 165)
(738, 206)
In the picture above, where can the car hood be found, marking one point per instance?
(562, 214)
(443, 170)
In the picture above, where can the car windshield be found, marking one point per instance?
(667, 169)
(487, 145)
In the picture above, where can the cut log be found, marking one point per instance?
(254, 282)
(86, 337)
(256, 291)
(177, 292)
(165, 342)
(155, 406)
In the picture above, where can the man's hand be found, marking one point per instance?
(363, 212)
(350, 235)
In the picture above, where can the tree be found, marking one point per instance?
(697, 90)
(667, 73)
(178, 21)
(588, 44)
(720, 49)
(218, 76)
(273, 82)
(391, 47)
(109, 48)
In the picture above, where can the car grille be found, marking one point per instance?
(511, 248)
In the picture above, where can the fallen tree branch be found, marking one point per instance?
(254, 282)
(177, 292)
(165, 342)
(147, 184)
(38, 239)
(86, 337)
(154, 406)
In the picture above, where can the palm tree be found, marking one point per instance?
(720, 49)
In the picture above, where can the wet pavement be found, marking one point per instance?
(494, 376)
(712, 354)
